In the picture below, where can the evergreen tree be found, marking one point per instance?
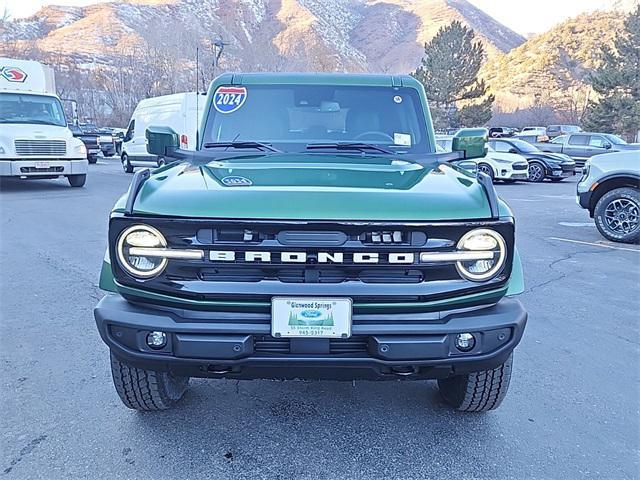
(449, 73)
(617, 83)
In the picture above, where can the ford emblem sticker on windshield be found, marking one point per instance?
(229, 99)
(236, 181)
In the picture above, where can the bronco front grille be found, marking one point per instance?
(380, 282)
(282, 346)
(26, 148)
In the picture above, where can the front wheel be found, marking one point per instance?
(617, 215)
(77, 180)
(477, 391)
(161, 161)
(92, 160)
(126, 164)
(486, 168)
(536, 172)
(146, 390)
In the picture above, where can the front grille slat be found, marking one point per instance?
(271, 345)
(40, 147)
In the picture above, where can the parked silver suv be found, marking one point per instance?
(610, 190)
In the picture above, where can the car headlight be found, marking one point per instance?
(486, 241)
(499, 160)
(142, 237)
(81, 149)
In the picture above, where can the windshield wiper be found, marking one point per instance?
(243, 144)
(362, 147)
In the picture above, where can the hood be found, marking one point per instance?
(32, 131)
(507, 157)
(313, 187)
(627, 146)
(553, 157)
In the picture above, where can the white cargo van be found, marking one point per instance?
(34, 139)
(180, 111)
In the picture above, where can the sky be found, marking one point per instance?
(524, 16)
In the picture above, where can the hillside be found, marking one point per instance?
(349, 35)
(552, 67)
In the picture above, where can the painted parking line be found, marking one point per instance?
(595, 244)
(577, 224)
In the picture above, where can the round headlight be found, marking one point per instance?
(486, 241)
(136, 265)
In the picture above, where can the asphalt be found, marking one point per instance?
(572, 410)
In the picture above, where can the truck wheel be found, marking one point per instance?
(617, 215)
(92, 160)
(146, 390)
(477, 391)
(536, 172)
(126, 164)
(77, 180)
(161, 162)
(486, 168)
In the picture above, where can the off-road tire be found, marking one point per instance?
(477, 391)
(631, 196)
(146, 390)
(126, 164)
(539, 175)
(77, 180)
(92, 160)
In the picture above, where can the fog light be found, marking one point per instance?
(157, 340)
(465, 342)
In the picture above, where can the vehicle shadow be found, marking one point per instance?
(19, 185)
(317, 429)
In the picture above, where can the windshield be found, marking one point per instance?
(290, 117)
(38, 109)
(524, 146)
(615, 139)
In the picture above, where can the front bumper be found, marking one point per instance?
(38, 167)
(239, 345)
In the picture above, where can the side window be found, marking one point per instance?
(597, 142)
(501, 147)
(553, 128)
(129, 135)
(578, 140)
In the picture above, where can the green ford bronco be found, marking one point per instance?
(315, 233)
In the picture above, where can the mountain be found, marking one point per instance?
(349, 35)
(552, 68)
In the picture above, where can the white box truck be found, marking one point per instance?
(34, 139)
(180, 111)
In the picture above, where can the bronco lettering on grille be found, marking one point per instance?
(303, 257)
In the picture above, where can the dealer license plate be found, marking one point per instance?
(42, 164)
(311, 317)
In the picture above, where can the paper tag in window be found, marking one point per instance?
(403, 139)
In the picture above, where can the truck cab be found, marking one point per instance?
(34, 139)
(314, 233)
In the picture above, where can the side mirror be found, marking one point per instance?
(513, 150)
(471, 141)
(162, 141)
(607, 146)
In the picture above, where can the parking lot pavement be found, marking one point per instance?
(572, 411)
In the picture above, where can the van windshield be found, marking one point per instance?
(38, 109)
(293, 117)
